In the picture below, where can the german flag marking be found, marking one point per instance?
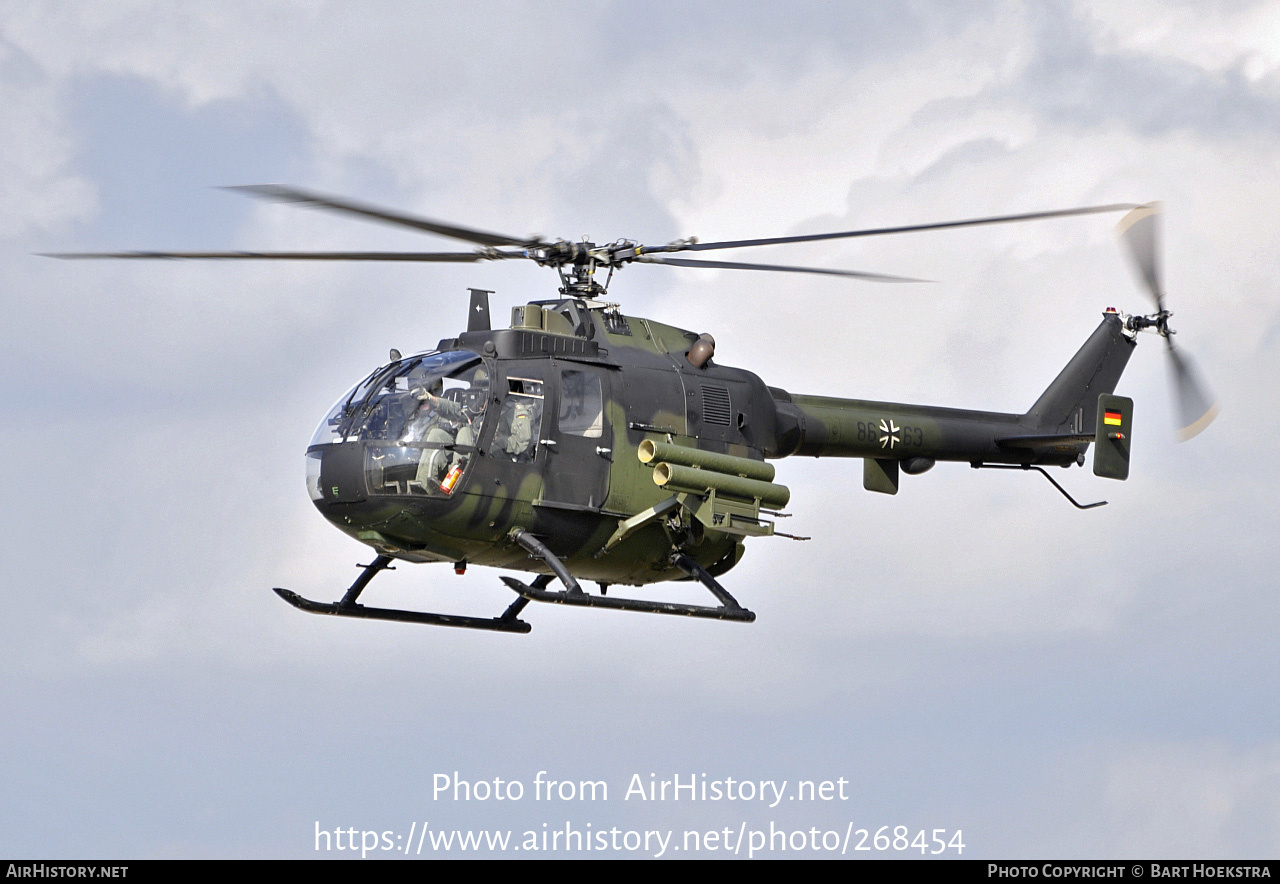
(1111, 418)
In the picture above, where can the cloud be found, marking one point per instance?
(1071, 78)
(39, 189)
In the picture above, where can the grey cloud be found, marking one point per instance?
(1072, 82)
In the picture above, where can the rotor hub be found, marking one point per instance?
(1157, 322)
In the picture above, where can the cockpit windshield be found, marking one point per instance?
(389, 403)
(420, 419)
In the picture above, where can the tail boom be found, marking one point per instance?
(1056, 430)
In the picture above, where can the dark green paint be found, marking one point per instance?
(709, 424)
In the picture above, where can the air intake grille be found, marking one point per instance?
(537, 344)
(716, 407)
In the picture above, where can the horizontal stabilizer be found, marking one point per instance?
(880, 474)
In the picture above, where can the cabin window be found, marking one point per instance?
(581, 404)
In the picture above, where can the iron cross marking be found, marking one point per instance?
(890, 434)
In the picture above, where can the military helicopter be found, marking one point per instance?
(581, 443)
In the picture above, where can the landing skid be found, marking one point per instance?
(572, 594)
(508, 621)
(535, 591)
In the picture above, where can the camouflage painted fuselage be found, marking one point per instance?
(573, 489)
(575, 486)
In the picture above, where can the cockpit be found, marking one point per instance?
(419, 419)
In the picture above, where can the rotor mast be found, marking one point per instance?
(576, 264)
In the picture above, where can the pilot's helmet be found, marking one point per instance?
(477, 394)
(533, 388)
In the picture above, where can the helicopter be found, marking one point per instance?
(584, 444)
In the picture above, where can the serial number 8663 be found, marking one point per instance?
(889, 434)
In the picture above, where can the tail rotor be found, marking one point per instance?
(1194, 403)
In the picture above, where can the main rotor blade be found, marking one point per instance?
(734, 265)
(879, 231)
(439, 257)
(350, 207)
(1196, 406)
(1140, 231)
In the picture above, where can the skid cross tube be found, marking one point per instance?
(703, 576)
(507, 622)
(729, 609)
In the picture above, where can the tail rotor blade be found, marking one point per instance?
(1195, 404)
(1140, 232)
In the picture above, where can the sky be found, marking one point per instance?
(972, 655)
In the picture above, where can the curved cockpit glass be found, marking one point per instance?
(420, 419)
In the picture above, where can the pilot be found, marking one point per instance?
(443, 423)
(427, 424)
(460, 415)
(424, 420)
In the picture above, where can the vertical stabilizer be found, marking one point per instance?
(1069, 405)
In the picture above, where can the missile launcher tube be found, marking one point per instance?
(675, 477)
(664, 452)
